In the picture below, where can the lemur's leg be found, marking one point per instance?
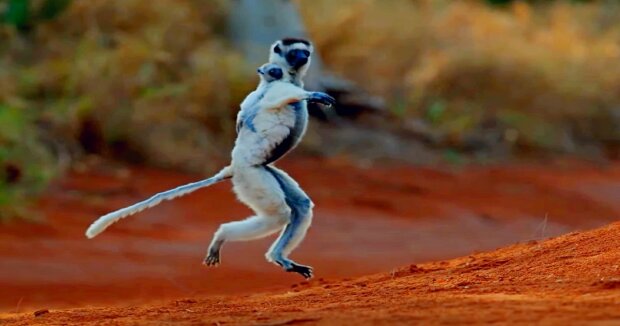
(254, 227)
(295, 230)
(260, 190)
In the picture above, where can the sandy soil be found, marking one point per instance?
(572, 279)
(367, 221)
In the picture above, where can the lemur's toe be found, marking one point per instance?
(213, 259)
(211, 262)
(305, 271)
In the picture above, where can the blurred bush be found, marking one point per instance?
(539, 75)
(157, 82)
(151, 81)
(25, 162)
(24, 14)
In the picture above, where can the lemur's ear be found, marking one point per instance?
(277, 49)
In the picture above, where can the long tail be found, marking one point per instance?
(103, 222)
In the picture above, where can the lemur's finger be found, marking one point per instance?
(323, 98)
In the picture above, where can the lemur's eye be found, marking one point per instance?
(277, 49)
(306, 53)
(275, 73)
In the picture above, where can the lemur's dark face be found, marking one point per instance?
(270, 72)
(296, 58)
(292, 52)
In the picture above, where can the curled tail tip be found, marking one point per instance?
(93, 230)
(90, 233)
(96, 228)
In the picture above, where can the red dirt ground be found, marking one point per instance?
(367, 221)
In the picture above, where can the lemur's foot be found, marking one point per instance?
(323, 98)
(213, 253)
(289, 265)
(213, 258)
(305, 271)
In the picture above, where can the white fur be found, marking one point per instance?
(273, 120)
(103, 222)
(260, 191)
(272, 123)
(252, 99)
(302, 227)
(265, 189)
(276, 58)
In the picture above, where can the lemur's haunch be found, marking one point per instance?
(271, 122)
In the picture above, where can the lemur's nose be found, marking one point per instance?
(297, 58)
(276, 73)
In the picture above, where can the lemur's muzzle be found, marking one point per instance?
(297, 58)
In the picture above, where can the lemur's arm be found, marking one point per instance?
(317, 97)
(268, 127)
(246, 117)
(286, 93)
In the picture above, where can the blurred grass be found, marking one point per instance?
(544, 74)
(149, 81)
(157, 81)
(25, 163)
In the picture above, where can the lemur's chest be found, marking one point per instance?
(296, 132)
(268, 119)
(273, 136)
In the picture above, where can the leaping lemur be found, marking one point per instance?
(105, 221)
(294, 56)
(275, 197)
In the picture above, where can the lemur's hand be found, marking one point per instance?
(323, 98)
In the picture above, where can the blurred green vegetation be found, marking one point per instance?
(158, 82)
(25, 163)
(24, 14)
(154, 82)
